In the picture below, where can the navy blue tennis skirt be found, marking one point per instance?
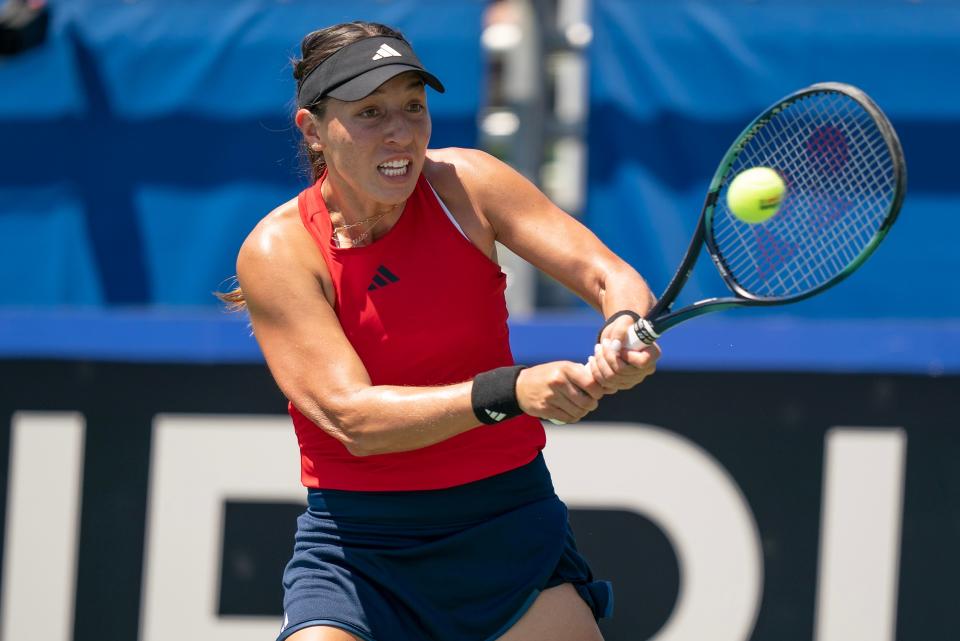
(461, 564)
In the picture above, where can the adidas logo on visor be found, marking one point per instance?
(385, 51)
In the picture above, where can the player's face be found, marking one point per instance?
(375, 147)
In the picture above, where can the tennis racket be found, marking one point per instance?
(845, 179)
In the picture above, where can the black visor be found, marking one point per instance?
(357, 69)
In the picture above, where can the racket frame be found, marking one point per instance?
(660, 317)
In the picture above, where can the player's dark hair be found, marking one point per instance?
(316, 47)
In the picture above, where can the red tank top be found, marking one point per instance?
(422, 306)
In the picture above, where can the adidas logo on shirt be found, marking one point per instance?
(382, 278)
(385, 51)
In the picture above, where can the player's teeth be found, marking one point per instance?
(394, 167)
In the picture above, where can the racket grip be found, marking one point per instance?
(640, 334)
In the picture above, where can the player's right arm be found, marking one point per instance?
(289, 296)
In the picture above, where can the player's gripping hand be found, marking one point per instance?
(616, 368)
(561, 391)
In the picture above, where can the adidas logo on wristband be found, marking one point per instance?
(494, 394)
(497, 416)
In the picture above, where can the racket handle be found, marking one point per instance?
(640, 334)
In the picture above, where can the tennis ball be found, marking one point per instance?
(755, 194)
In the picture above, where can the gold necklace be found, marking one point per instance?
(373, 220)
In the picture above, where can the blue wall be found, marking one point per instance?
(673, 83)
(143, 140)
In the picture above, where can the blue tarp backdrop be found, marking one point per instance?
(143, 140)
(673, 83)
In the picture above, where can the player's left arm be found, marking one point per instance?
(523, 219)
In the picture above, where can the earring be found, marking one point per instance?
(315, 146)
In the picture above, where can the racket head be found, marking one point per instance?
(845, 174)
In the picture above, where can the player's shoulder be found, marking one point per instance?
(474, 169)
(279, 238)
(461, 159)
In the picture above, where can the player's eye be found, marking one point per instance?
(369, 112)
(416, 107)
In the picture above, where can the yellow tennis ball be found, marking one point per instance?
(754, 195)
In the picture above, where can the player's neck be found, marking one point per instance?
(349, 207)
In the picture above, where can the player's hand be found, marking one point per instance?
(615, 367)
(561, 391)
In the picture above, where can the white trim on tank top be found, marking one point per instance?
(447, 211)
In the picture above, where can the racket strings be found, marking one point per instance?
(840, 181)
(829, 148)
(787, 269)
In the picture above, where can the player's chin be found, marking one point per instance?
(396, 189)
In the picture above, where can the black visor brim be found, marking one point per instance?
(368, 82)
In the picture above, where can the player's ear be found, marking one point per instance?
(310, 129)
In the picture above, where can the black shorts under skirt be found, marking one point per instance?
(458, 564)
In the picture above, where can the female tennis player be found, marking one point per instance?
(377, 300)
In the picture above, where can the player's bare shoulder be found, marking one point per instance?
(472, 168)
(274, 233)
(487, 178)
(498, 193)
(278, 242)
(458, 174)
(480, 175)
